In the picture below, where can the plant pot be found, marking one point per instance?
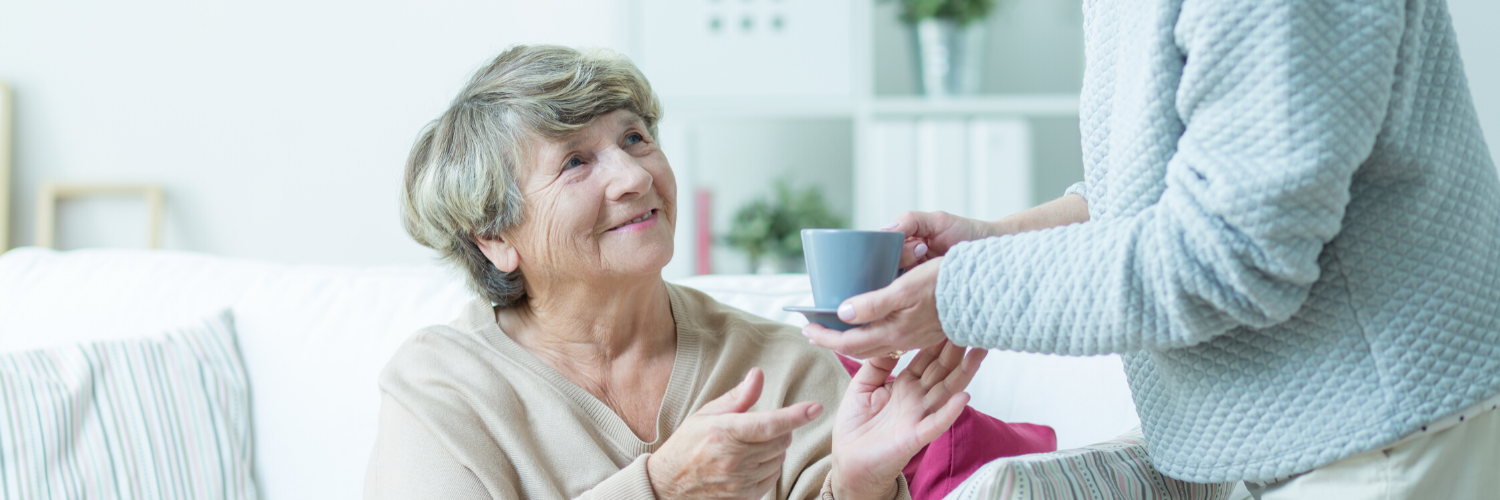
(949, 57)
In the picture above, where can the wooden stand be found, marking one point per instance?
(5, 155)
(46, 213)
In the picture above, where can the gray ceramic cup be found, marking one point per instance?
(843, 263)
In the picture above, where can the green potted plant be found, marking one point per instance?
(948, 37)
(769, 230)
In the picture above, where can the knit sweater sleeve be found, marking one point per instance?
(1281, 101)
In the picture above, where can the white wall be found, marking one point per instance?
(1479, 44)
(278, 128)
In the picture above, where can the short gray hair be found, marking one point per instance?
(460, 181)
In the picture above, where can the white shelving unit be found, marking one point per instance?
(1015, 105)
(757, 89)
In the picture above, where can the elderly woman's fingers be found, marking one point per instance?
(935, 424)
(949, 358)
(968, 368)
(769, 450)
(956, 380)
(925, 357)
(768, 467)
(738, 399)
(764, 486)
(762, 426)
(873, 371)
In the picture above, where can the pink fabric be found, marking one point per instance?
(974, 440)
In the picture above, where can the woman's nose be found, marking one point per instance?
(627, 178)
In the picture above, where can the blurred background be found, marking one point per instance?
(278, 130)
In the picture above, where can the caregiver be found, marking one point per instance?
(1290, 229)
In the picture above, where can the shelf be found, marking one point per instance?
(1017, 105)
(757, 107)
(1026, 105)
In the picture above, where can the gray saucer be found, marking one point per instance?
(825, 317)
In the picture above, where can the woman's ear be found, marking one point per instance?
(503, 255)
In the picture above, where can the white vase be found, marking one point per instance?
(949, 57)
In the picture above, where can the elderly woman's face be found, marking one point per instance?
(598, 204)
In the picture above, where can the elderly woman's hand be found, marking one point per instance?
(882, 424)
(722, 451)
(899, 317)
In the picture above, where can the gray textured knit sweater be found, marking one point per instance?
(1294, 236)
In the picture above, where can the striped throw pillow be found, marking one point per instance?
(163, 417)
(1115, 469)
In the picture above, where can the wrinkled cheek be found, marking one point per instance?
(666, 185)
(553, 249)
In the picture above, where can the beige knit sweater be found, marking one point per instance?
(468, 413)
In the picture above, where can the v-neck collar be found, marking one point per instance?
(480, 316)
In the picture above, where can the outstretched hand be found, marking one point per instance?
(902, 316)
(725, 451)
(882, 424)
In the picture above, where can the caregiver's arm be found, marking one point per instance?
(931, 234)
(1278, 114)
(1068, 209)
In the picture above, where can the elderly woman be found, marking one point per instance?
(579, 372)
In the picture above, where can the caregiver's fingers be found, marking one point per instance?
(879, 304)
(914, 251)
(862, 342)
(913, 293)
(923, 225)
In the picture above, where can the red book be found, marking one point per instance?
(705, 234)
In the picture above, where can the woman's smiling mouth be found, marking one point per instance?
(645, 220)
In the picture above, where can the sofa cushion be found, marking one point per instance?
(159, 417)
(315, 339)
(50, 298)
(1114, 469)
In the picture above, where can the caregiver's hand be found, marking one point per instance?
(722, 451)
(931, 234)
(902, 316)
(881, 424)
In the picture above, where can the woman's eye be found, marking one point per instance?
(633, 138)
(573, 162)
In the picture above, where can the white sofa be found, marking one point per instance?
(313, 339)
